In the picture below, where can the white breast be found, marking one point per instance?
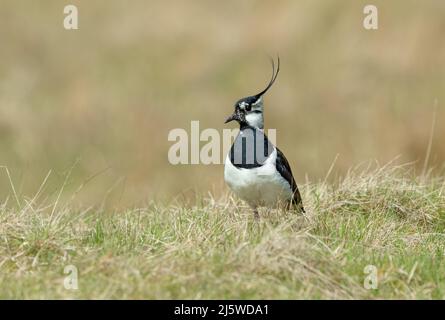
(262, 186)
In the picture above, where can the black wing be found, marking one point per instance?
(285, 171)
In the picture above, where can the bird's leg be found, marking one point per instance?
(256, 215)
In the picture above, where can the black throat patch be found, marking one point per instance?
(250, 149)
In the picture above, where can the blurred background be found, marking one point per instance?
(99, 101)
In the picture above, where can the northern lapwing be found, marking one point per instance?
(255, 169)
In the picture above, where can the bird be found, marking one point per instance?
(255, 169)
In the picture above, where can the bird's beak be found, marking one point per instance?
(234, 116)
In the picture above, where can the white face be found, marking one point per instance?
(254, 113)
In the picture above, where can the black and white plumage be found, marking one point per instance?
(255, 169)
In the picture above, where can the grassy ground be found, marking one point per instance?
(386, 217)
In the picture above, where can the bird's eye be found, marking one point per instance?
(248, 107)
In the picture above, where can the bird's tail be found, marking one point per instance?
(296, 202)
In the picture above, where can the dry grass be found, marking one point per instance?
(385, 217)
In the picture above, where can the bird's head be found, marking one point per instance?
(249, 110)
